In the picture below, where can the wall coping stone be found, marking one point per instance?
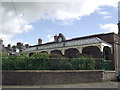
(55, 71)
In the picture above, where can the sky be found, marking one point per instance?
(27, 21)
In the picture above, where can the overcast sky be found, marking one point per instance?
(27, 21)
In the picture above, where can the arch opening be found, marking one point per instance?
(30, 54)
(57, 52)
(44, 52)
(72, 53)
(92, 51)
(107, 53)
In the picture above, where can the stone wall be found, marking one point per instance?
(29, 77)
(108, 75)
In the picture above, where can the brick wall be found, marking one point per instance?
(113, 39)
(53, 77)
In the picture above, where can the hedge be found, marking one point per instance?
(25, 63)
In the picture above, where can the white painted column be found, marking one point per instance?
(101, 47)
(63, 51)
(79, 49)
(49, 52)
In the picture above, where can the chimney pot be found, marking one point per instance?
(55, 38)
(39, 41)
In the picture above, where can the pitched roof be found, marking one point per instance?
(68, 43)
(78, 38)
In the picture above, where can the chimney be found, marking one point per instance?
(55, 38)
(26, 45)
(39, 41)
(9, 46)
(19, 44)
(119, 27)
(61, 35)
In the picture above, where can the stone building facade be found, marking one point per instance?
(105, 46)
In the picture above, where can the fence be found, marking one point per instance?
(103, 64)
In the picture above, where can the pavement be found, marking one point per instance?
(106, 84)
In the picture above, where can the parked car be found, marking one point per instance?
(118, 77)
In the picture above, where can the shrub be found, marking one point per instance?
(41, 61)
(54, 64)
(65, 65)
(40, 55)
(55, 56)
(83, 63)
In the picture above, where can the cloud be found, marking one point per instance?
(51, 39)
(27, 27)
(18, 16)
(109, 27)
(12, 24)
(103, 13)
(107, 17)
(48, 36)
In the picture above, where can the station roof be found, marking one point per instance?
(68, 43)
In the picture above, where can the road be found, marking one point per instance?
(106, 84)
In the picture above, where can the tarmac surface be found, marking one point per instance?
(106, 84)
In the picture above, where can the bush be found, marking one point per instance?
(83, 63)
(65, 65)
(41, 61)
(13, 62)
(54, 64)
(34, 64)
(55, 56)
(40, 55)
(7, 64)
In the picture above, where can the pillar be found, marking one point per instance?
(63, 51)
(49, 52)
(79, 49)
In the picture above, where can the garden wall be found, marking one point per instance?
(37, 77)
(108, 75)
